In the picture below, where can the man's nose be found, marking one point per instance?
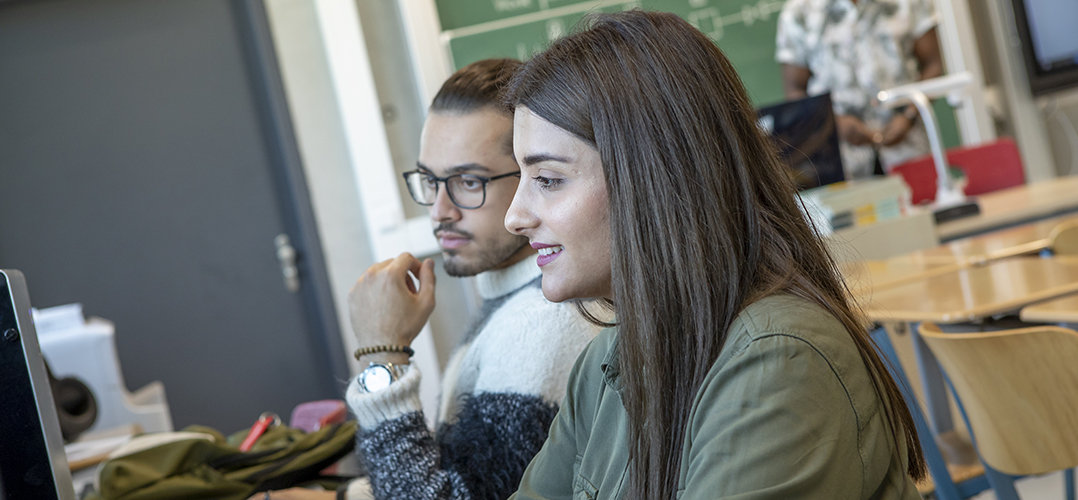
(443, 209)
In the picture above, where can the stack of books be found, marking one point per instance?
(856, 203)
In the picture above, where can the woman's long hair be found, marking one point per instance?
(703, 218)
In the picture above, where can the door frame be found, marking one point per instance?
(287, 168)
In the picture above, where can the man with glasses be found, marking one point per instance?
(501, 387)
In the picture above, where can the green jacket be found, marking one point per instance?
(787, 411)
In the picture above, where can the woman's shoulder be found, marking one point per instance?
(790, 316)
(802, 335)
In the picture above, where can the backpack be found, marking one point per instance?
(200, 463)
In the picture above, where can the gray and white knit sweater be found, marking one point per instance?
(500, 391)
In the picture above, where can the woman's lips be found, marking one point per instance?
(547, 253)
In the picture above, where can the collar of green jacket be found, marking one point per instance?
(611, 365)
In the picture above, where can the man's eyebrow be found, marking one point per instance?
(467, 168)
(541, 157)
(458, 169)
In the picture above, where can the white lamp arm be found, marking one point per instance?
(918, 93)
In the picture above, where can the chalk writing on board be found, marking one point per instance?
(710, 21)
(480, 29)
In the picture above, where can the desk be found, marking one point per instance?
(864, 277)
(1015, 205)
(1061, 310)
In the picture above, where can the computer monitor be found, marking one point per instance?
(806, 137)
(33, 465)
(1046, 31)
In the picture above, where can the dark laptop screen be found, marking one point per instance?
(807, 140)
(28, 470)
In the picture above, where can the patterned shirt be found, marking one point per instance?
(854, 51)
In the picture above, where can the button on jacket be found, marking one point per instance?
(787, 411)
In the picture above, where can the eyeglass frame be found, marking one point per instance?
(445, 180)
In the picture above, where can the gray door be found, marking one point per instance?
(146, 166)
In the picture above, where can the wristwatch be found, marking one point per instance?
(378, 376)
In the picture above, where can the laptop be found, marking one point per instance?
(805, 134)
(33, 465)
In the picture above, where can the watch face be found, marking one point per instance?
(376, 378)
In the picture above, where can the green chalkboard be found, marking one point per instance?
(743, 29)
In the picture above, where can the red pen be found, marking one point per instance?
(263, 423)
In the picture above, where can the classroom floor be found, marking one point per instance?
(1047, 487)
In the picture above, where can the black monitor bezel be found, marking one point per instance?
(32, 460)
(1040, 81)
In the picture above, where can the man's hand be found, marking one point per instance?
(896, 130)
(296, 494)
(386, 308)
(854, 131)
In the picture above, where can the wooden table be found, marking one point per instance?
(968, 294)
(1015, 205)
(1061, 310)
(863, 277)
(1025, 239)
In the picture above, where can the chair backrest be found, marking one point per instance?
(1020, 393)
(988, 167)
(1063, 240)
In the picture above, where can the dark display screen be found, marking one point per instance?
(805, 134)
(1046, 29)
(25, 469)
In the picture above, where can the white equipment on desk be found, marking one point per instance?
(86, 349)
(951, 202)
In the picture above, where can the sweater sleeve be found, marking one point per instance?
(524, 357)
(481, 456)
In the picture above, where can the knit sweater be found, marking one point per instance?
(500, 391)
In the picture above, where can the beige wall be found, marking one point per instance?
(327, 148)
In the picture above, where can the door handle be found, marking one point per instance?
(286, 256)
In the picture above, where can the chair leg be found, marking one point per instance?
(1002, 484)
(1068, 483)
(937, 467)
(935, 390)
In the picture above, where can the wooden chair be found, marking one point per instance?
(1018, 391)
(1063, 240)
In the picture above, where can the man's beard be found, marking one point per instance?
(487, 258)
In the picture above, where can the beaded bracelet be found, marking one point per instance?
(363, 351)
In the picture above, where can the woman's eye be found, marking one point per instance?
(546, 182)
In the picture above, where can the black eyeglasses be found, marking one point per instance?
(466, 191)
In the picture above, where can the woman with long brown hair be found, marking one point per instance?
(737, 366)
